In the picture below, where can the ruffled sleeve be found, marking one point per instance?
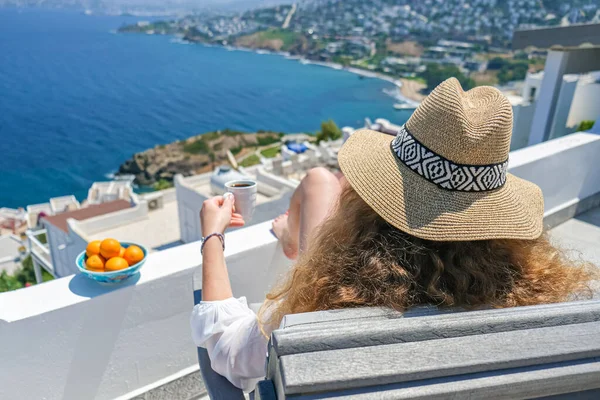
(229, 331)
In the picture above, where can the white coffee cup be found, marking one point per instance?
(244, 192)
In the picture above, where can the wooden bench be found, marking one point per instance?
(547, 351)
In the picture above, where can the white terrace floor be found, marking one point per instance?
(157, 232)
(581, 234)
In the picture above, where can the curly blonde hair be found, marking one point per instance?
(357, 259)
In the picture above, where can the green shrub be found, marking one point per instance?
(8, 282)
(230, 132)
(196, 147)
(236, 150)
(585, 125)
(270, 152)
(22, 276)
(210, 136)
(250, 161)
(162, 185)
(267, 140)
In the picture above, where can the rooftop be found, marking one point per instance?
(60, 220)
(159, 230)
(102, 192)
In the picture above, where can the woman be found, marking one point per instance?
(428, 217)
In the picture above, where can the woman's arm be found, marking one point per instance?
(216, 215)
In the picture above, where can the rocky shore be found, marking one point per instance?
(192, 156)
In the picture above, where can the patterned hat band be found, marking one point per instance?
(443, 172)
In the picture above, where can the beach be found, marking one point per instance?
(411, 90)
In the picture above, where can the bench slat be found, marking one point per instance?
(519, 383)
(340, 330)
(380, 365)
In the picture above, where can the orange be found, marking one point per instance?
(133, 255)
(92, 248)
(110, 248)
(116, 263)
(95, 262)
(122, 252)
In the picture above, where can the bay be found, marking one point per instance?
(77, 99)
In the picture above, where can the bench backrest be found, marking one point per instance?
(523, 352)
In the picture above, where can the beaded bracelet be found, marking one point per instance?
(219, 235)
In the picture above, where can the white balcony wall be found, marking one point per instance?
(586, 103)
(189, 204)
(522, 119)
(563, 106)
(566, 169)
(274, 181)
(73, 339)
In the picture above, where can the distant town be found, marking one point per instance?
(469, 40)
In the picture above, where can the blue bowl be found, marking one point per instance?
(114, 276)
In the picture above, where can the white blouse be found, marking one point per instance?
(229, 331)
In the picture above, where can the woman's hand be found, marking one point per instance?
(218, 213)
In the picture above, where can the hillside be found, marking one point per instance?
(275, 40)
(195, 155)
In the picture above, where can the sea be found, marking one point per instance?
(77, 99)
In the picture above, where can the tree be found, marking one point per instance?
(497, 63)
(436, 74)
(329, 131)
(513, 72)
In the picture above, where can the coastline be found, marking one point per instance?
(135, 111)
(411, 90)
(406, 90)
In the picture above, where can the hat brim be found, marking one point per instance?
(414, 205)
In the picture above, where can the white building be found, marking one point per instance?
(578, 100)
(574, 50)
(120, 188)
(273, 197)
(64, 241)
(111, 210)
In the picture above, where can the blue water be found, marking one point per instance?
(77, 100)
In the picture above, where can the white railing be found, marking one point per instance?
(40, 254)
(566, 169)
(63, 204)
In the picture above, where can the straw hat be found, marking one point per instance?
(443, 176)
